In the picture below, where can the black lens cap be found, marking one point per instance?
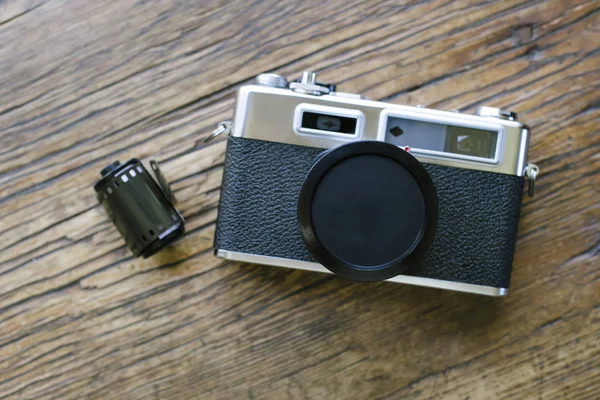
(366, 209)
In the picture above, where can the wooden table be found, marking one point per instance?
(83, 83)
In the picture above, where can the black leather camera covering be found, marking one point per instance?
(477, 221)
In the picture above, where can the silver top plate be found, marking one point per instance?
(268, 113)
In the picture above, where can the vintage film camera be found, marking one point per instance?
(327, 181)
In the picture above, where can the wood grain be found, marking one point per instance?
(83, 83)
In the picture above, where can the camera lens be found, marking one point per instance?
(365, 208)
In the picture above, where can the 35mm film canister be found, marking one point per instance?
(142, 209)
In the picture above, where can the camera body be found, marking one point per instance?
(475, 163)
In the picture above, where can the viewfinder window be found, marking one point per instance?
(329, 123)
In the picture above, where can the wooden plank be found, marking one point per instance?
(84, 83)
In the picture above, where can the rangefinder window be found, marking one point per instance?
(450, 139)
(329, 123)
(471, 142)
